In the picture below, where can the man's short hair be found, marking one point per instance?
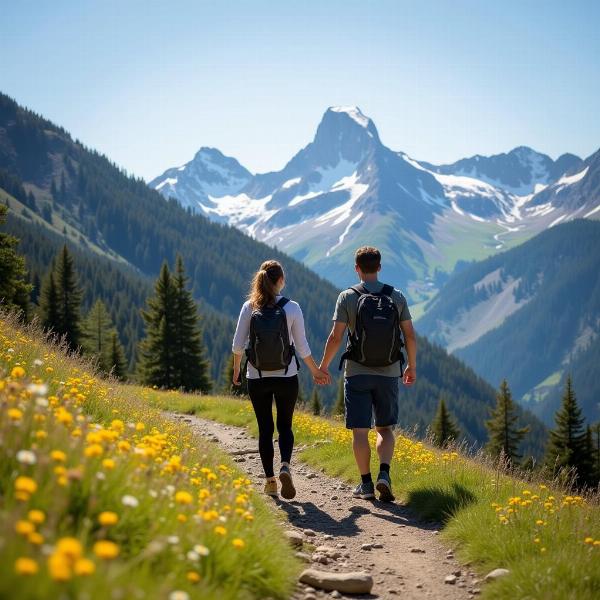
(368, 259)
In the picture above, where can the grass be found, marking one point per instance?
(547, 538)
(102, 496)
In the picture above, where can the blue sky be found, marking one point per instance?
(150, 82)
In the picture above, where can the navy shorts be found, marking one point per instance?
(368, 396)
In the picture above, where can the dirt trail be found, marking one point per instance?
(405, 558)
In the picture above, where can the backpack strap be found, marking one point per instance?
(387, 290)
(282, 302)
(359, 289)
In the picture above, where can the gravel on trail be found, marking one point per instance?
(336, 533)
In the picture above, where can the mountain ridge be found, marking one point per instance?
(346, 188)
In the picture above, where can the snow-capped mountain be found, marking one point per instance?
(346, 188)
(209, 173)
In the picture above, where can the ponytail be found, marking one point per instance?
(263, 288)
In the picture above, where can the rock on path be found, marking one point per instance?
(405, 558)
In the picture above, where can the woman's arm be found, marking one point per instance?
(240, 339)
(303, 349)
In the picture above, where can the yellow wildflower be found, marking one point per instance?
(36, 516)
(84, 566)
(238, 543)
(108, 518)
(17, 372)
(106, 549)
(26, 566)
(183, 497)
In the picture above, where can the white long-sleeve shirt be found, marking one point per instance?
(295, 323)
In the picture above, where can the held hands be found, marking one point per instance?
(410, 375)
(321, 376)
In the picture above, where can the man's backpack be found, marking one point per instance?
(377, 338)
(269, 347)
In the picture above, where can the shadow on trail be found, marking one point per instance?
(307, 515)
(438, 504)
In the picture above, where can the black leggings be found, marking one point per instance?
(285, 391)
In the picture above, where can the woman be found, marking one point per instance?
(270, 330)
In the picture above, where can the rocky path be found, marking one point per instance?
(342, 534)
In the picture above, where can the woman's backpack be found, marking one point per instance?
(269, 347)
(377, 338)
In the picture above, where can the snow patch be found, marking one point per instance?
(167, 181)
(291, 183)
(592, 212)
(567, 180)
(345, 233)
(354, 113)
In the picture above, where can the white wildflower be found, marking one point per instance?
(38, 362)
(129, 500)
(37, 389)
(201, 550)
(26, 457)
(173, 539)
(179, 595)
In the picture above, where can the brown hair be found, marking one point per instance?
(368, 259)
(262, 289)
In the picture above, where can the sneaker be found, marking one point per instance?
(384, 487)
(288, 491)
(271, 488)
(366, 491)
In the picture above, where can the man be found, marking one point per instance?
(374, 388)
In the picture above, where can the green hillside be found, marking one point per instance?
(554, 329)
(121, 231)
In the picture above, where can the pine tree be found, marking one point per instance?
(14, 288)
(116, 361)
(50, 316)
(504, 434)
(97, 333)
(339, 407)
(158, 347)
(171, 354)
(61, 299)
(443, 427)
(566, 446)
(227, 386)
(315, 403)
(191, 368)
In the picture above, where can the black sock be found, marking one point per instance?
(367, 478)
(384, 467)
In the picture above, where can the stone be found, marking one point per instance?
(327, 537)
(377, 545)
(329, 552)
(335, 594)
(366, 546)
(419, 586)
(303, 556)
(417, 550)
(311, 476)
(476, 591)
(458, 572)
(450, 579)
(496, 574)
(295, 538)
(355, 582)
(309, 533)
(333, 498)
(309, 597)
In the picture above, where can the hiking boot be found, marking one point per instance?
(384, 487)
(288, 491)
(366, 491)
(271, 488)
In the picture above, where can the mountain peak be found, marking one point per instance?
(353, 112)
